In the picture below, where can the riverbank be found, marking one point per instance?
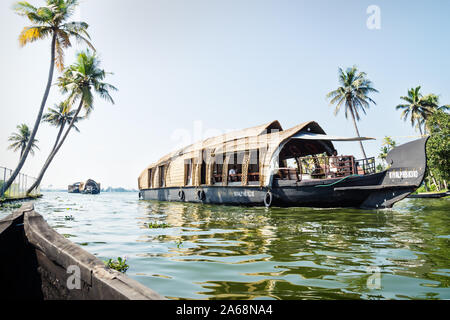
(430, 195)
(19, 199)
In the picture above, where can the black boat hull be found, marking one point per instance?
(292, 196)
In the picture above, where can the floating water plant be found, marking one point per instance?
(179, 242)
(120, 264)
(155, 225)
(11, 205)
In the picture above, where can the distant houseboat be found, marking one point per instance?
(74, 188)
(88, 187)
(266, 165)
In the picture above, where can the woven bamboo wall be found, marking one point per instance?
(175, 173)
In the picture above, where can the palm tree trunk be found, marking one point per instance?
(434, 181)
(37, 122)
(59, 135)
(55, 150)
(42, 172)
(356, 128)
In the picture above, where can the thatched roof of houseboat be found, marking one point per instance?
(226, 138)
(267, 135)
(89, 182)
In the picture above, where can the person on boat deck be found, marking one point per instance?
(334, 161)
(232, 174)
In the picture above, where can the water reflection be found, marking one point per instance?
(222, 252)
(309, 253)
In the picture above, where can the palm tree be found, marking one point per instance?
(417, 107)
(387, 145)
(49, 21)
(432, 103)
(353, 94)
(80, 81)
(432, 100)
(59, 117)
(20, 140)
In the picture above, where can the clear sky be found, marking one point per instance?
(203, 66)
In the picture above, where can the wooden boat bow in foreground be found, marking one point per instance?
(38, 263)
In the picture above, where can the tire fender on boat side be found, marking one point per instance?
(268, 197)
(181, 195)
(201, 195)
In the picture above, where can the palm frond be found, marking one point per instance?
(33, 33)
(23, 8)
(354, 92)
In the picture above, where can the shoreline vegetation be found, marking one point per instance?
(16, 202)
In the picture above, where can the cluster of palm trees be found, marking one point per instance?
(354, 92)
(419, 108)
(78, 81)
(19, 140)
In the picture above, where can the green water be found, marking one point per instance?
(220, 252)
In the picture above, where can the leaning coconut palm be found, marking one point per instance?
(20, 140)
(417, 108)
(49, 21)
(354, 94)
(80, 81)
(58, 117)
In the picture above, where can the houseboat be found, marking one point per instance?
(268, 166)
(88, 187)
(74, 188)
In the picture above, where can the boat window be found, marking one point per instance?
(203, 168)
(162, 182)
(235, 166)
(253, 166)
(217, 176)
(149, 182)
(188, 172)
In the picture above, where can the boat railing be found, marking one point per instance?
(253, 176)
(236, 177)
(313, 167)
(324, 167)
(365, 166)
(288, 174)
(217, 178)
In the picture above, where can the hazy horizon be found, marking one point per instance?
(194, 68)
